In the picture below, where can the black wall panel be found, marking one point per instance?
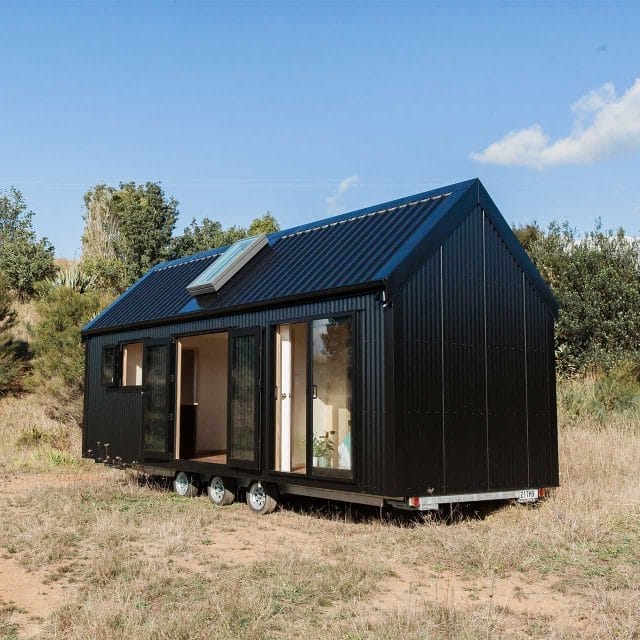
(418, 380)
(474, 383)
(538, 389)
(465, 432)
(506, 380)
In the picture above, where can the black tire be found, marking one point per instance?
(221, 491)
(185, 485)
(261, 498)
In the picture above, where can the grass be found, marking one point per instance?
(31, 441)
(140, 562)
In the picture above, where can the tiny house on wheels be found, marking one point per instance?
(402, 354)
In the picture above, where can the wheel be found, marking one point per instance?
(221, 492)
(185, 485)
(261, 498)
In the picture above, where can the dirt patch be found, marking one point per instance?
(30, 596)
(411, 588)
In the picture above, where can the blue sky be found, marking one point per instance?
(305, 109)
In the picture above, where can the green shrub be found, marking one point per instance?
(11, 365)
(596, 279)
(73, 277)
(58, 365)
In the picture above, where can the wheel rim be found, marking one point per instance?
(217, 489)
(182, 483)
(257, 496)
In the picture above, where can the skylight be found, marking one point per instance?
(227, 265)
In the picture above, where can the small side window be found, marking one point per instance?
(109, 366)
(132, 364)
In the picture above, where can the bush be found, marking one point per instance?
(11, 365)
(596, 279)
(58, 365)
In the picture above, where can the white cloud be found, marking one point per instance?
(605, 125)
(344, 186)
(347, 183)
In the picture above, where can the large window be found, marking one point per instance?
(313, 397)
(332, 373)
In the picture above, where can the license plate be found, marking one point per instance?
(527, 494)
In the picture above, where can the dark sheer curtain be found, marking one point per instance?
(156, 420)
(243, 397)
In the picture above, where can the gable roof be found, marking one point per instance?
(373, 248)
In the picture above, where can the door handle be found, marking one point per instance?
(315, 391)
(284, 396)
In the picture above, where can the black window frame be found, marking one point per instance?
(350, 477)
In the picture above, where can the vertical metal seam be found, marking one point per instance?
(486, 365)
(526, 376)
(444, 451)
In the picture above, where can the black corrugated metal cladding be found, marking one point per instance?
(114, 415)
(474, 382)
(322, 258)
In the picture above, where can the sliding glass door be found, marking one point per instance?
(313, 397)
(243, 414)
(332, 383)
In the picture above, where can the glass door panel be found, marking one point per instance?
(332, 380)
(158, 419)
(291, 397)
(244, 397)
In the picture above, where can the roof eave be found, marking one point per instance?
(364, 287)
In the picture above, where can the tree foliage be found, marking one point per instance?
(10, 364)
(596, 279)
(24, 259)
(127, 231)
(209, 234)
(58, 365)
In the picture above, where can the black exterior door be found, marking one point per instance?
(243, 413)
(158, 388)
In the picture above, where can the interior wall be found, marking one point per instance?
(299, 395)
(132, 364)
(211, 389)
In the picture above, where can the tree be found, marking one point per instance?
(10, 365)
(596, 279)
(127, 231)
(146, 219)
(24, 259)
(58, 365)
(100, 240)
(210, 234)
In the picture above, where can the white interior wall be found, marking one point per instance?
(132, 364)
(211, 394)
(299, 395)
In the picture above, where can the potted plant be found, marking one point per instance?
(322, 449)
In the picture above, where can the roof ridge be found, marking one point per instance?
(365, 215)
(186, 260)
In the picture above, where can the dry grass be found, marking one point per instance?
(27, 320)
(30, 441)
(147, 564)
